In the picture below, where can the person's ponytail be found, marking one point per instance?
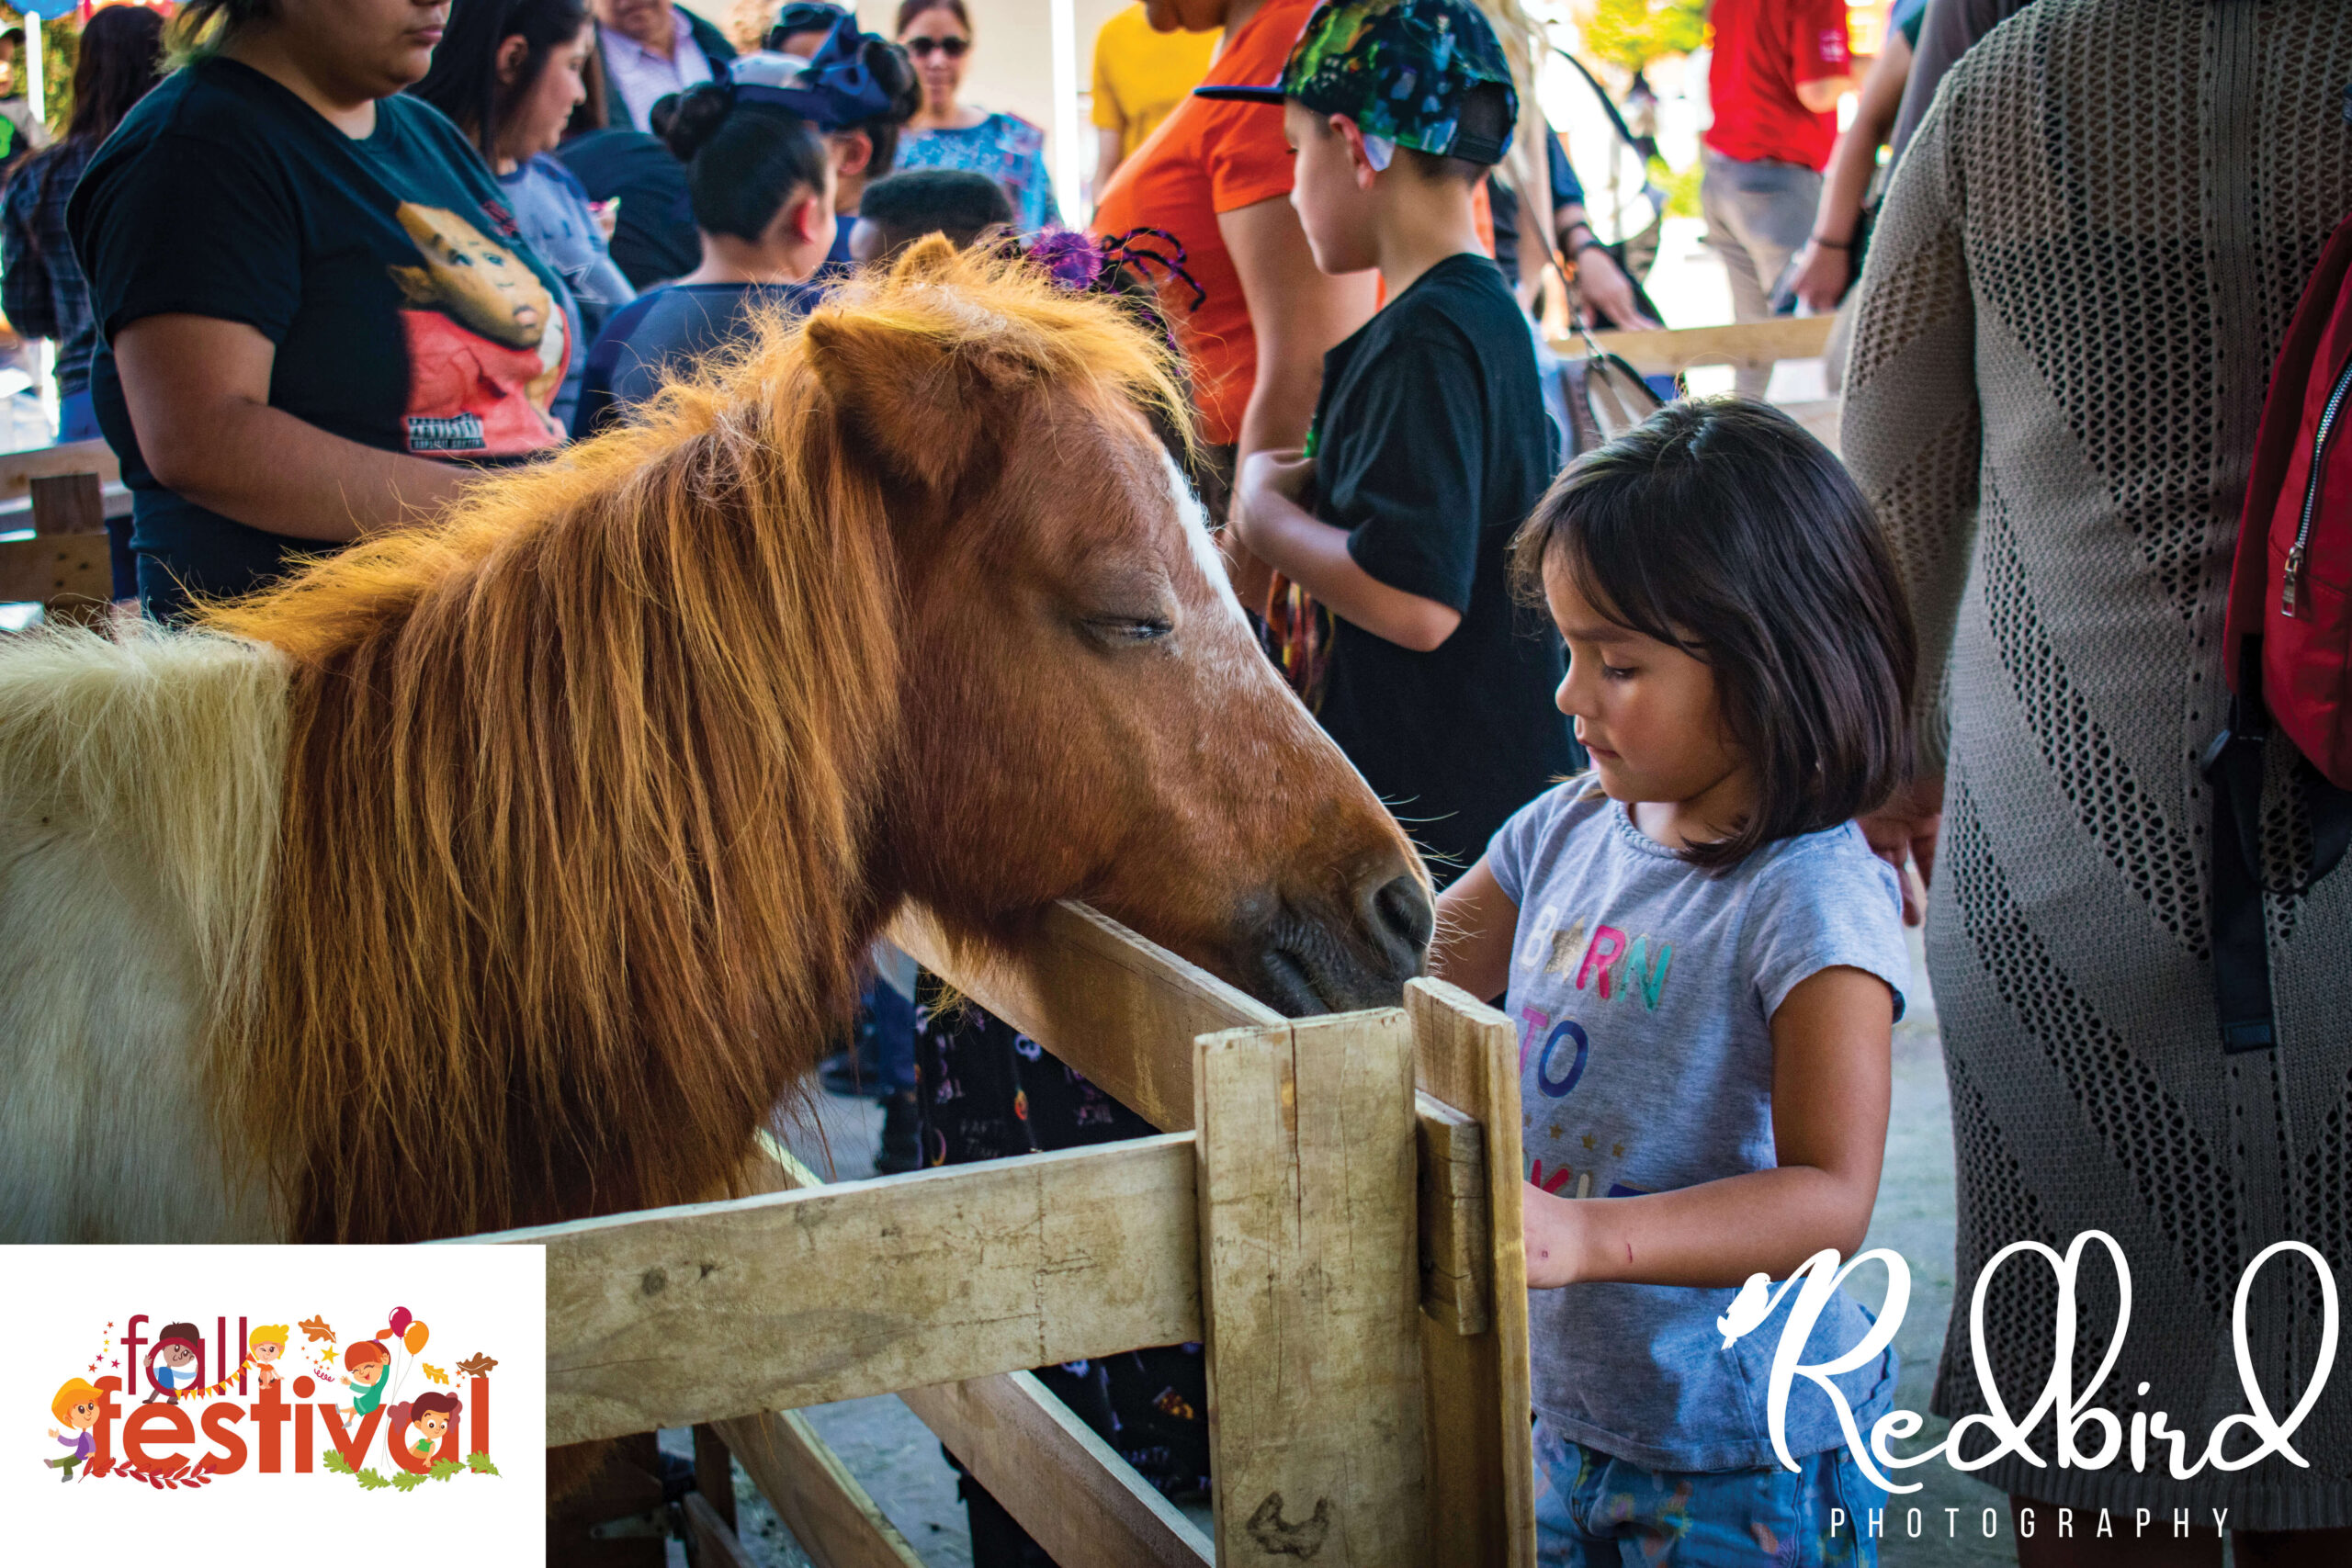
(201, 29)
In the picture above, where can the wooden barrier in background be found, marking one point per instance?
(1748, 345)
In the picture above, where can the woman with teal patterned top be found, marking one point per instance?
(948, 133)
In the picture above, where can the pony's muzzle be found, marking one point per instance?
(1356, 950)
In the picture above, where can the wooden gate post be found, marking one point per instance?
(1482, 1458)
(1310, 1292)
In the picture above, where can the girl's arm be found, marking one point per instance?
(1831, 1079)
(1475, 924)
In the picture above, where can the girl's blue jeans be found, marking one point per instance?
(1594, 1511)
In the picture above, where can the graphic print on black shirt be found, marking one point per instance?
(485, 339)
(1431, 447)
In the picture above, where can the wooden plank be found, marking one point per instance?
(1457, 1270)
(1740, 343)
(1122, 1010)
(19, 469)
(1069, 1488)
(1308, 1284)
(68, 503)
(671, 1316)
(715, 1473)
(814, 1493)
(72, 570)
(713, 1538)
(1481, 1452)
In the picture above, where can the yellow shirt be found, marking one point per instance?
(1140, 75)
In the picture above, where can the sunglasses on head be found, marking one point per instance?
(953, 47)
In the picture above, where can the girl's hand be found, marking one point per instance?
(1553, 1230)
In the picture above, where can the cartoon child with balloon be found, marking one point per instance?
(369, 1364)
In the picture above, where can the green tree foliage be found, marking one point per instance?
(1631, 33)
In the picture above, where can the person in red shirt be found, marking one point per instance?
(1778, 71)
(1216, 175)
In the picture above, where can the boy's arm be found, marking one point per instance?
(1314, 554)
(1831, 1080)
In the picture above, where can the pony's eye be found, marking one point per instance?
(1124, 630)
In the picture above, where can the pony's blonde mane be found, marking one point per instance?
(581, 780)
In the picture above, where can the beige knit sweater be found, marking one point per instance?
(2073, 299)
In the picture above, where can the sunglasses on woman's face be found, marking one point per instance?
(953, 47)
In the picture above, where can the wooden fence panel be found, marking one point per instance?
(1310, 1288)
(1069, 1488)
(673, 1317)
(815, 1496)
(1482, 1459)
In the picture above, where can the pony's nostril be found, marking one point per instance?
(1403, 910)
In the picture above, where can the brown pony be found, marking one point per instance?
(514, 869)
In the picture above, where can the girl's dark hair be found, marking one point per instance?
(909, 9)
(1722, 527)
(120, 57)
(463, 83)
(747, 160)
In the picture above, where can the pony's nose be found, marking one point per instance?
(1396, 914)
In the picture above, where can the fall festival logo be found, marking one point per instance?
(163, 1404)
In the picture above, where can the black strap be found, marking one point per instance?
(2241, 954)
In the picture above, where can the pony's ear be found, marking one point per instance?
(926, 258)
(912, 390)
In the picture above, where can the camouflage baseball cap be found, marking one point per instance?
(1401, 68)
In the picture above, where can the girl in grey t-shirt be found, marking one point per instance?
(1705, 961)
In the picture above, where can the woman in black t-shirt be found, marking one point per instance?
(316, 311)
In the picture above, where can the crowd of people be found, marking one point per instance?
(345, 253)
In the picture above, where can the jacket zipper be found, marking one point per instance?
(2310, 490)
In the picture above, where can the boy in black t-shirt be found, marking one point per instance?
(1431, 444)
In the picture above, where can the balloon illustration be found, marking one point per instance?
(399, 1319)
(415, 1337)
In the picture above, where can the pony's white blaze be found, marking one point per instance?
(139, 792)
(1195, 521)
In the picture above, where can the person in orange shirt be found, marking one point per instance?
(1217, 176)
(1140, 75)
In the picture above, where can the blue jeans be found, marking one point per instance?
(1593, 1511)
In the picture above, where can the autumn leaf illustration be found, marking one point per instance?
(317, 1328)
(434, 1373)
(335, 1462)
(371, 1482)
(479, 1463)
(407, 1481)
(475, 1366)
(442, 1469)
